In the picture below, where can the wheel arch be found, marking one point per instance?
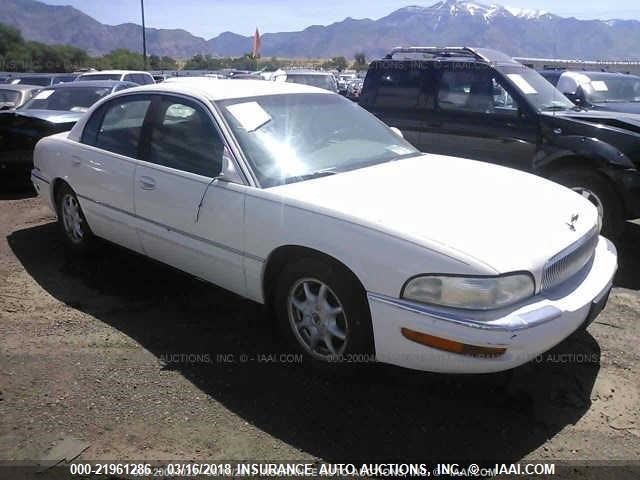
(283, 255)
(597, 165)
(567, 161)
(56, 185)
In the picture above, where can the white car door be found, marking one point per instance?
(186, 218)
(103, 168)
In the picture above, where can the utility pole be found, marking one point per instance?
(144, 37)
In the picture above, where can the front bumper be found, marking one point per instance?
(526, 331)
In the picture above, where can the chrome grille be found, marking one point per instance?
(570, 261)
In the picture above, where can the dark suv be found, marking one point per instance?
(481, 104)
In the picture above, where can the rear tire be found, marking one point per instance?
(78, 237)
(598, 190)
(322, 313)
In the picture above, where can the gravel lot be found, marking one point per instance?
(88, 349)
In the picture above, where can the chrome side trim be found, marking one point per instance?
(523, 321)
(174, 230)
(42, 179)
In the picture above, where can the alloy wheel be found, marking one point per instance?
(72, 218)
(318, 319)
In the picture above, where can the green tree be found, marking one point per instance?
(360, 62)
(162, 63)
(339, 63)
(121, 59)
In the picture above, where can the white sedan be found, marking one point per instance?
(363, 247)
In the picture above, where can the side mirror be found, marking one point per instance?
(229, 172)
(575, 98)
(7, 105)
(397, 131)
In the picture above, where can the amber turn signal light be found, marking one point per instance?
(450, 345)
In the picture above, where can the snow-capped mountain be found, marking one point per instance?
(515, 31)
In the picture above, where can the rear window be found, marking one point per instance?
(40, 81)
(9, 96)
(70, 99)
(401, 85)
(326, 82)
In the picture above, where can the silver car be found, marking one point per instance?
(14, 96)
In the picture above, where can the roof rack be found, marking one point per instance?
(438, 52)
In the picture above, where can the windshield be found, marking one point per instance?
(100, 76)
(9, 96)
(76, 99)
(607, 89)
(536, 89)
(289, 138)
(326, 82)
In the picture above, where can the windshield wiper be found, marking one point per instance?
(308, 176)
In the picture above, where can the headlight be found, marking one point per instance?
(473, 293)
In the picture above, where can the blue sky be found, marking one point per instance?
(208, 18)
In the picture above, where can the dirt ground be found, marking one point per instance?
(134, 358)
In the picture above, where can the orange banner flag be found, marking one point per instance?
(257, 43)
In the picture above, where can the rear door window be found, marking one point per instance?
(399, 85)
(117, 125)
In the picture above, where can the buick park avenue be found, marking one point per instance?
(360, 245)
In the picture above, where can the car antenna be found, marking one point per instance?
(204, 193)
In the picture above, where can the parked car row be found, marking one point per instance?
(50, 79)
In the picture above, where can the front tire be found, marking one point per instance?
(323, 314)
(601, 193)
(77, 235)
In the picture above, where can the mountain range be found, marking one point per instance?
(518, 32)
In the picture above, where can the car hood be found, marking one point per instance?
(495, 218)
(624, 107)
(622, 120)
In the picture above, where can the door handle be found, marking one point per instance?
(76, 161)
(147, 183)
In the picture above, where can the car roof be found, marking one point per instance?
(92, 83)
(113, 72)
(306, 72)
(19, 86)
(43, 75)
(206, 89)
(599, 74)
(453, 54)
(225, 89)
